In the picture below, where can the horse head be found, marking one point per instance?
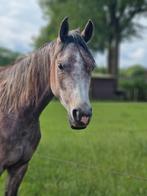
(70, 74)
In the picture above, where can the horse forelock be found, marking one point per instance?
(75, 37)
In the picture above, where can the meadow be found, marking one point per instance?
(109, 158)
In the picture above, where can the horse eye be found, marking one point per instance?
(60, 66)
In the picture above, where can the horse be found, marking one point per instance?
(60, 68)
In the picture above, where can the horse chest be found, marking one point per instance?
(18, 141)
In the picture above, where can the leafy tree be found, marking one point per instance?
(113, 19)
(7, 56)
(121, 25)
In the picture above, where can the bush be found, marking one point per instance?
(133, 80)
(101, 70)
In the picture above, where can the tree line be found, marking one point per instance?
(7, 56)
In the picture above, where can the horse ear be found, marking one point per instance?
(64, 28)
(88, 31)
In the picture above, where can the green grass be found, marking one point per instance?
(109, 158)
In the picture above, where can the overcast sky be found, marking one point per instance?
(21, 20)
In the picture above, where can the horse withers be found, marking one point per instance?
(61, 68)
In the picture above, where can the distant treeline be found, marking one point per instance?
(132, 80)
(7, 56)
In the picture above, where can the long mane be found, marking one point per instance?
(25, 80)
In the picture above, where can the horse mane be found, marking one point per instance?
(25, 80)
(22, 83)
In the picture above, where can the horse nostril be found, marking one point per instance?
(76, 114)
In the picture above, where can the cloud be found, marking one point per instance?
(138, 54)
(20, 21)
(135, 51)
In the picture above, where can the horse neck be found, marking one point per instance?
(26, 85)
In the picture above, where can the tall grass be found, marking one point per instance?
(109, 158)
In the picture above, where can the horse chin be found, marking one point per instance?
(76, 126)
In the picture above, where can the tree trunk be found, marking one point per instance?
(113, 60)
(113, 57)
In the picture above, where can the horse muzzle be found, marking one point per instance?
(80, 118)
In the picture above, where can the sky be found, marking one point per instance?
(21, 20)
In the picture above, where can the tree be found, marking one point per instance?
(113, 19)
(120, 22)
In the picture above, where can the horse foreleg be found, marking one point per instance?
(15, 177)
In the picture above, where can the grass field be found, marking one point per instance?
(109, 158)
